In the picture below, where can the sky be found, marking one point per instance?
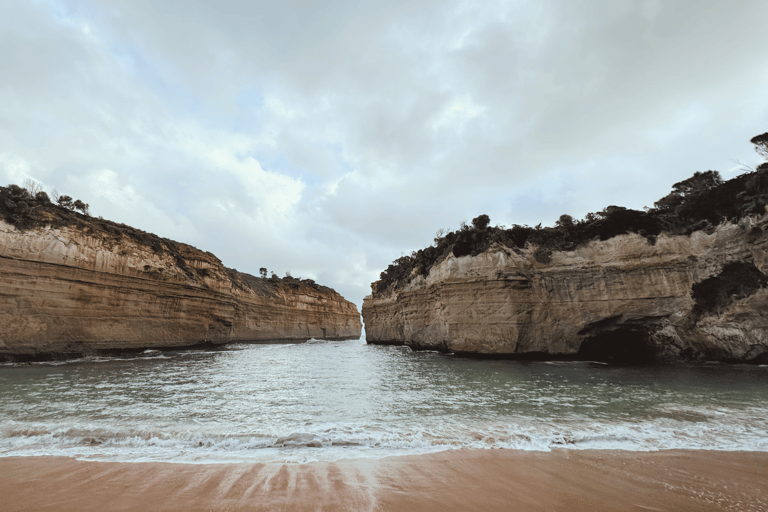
(328, 138)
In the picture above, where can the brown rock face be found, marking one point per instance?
(699, 296)
(72, 290)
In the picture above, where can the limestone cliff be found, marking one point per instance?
(73, 285)
(699, 295)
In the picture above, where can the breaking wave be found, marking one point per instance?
(325, 401)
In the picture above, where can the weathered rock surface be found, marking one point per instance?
(72, 290)
(686, 297)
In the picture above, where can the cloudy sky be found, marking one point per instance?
(327, 138)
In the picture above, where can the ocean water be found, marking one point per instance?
(329, 400)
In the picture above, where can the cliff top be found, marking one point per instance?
(698, 203)
(29, 208)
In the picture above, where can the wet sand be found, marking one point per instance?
(453, 480)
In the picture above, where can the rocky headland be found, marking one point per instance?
(71, 285)
(683, 281)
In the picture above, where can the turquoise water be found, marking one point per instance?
(326, 400)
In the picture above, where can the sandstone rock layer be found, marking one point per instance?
(70, 290)
(685, 297)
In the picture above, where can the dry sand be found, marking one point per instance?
(454, 480)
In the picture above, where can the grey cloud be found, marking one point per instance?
(387, 120)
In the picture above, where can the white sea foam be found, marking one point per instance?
(332, 442)
(331, 400)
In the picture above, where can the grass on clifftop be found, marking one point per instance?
(699, 203)
(29, 207)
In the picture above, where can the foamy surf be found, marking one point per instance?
(325, 401)
(334, 442)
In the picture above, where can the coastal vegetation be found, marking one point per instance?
(700, 202)
(29, 206)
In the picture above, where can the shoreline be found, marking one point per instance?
(574, 480)
(73, 357)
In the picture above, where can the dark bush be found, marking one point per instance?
(465, 243)
(65, 201)
(565, 222)
(17, 192)
(481, 222)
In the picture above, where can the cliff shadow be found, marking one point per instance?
(622, 345)
(736, 281)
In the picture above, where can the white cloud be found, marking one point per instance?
(122, 201)
(456, 114)
(14, 168)
(327, 139)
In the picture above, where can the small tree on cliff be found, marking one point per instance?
(761, 144)
(32, 186)
(65, 201)
(565, 221)
(481, 222)
(79, 205)
(263, 272)
(693, 186)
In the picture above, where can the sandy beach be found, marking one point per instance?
(453, 480)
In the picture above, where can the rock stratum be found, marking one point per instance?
(684, 297)
(682, 281)
(71, 285)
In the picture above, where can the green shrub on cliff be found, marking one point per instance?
(700, 202)
(29, 206)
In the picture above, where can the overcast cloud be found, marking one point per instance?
(326, 138)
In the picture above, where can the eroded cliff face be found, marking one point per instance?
(699, 296)
(72, 290)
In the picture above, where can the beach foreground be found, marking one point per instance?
(452, 480)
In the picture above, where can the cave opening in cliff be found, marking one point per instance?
(625, 345)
